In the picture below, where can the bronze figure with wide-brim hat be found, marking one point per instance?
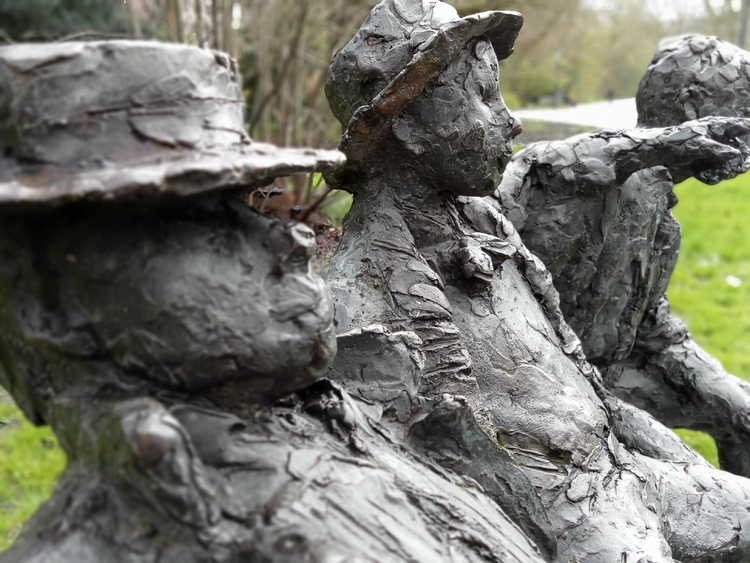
(123, 119)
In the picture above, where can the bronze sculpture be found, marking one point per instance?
(604, 228)
(174, 338)
(422, 253)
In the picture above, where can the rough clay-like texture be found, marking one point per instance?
(596, 210)
(399, 50)
(419, 254)
(124, 119)
(176, 348)
(694, 76)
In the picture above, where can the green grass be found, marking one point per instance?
(715, 244)
(701, 443)
(30, 463)
(715, 248)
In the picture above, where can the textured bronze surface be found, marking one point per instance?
(428, 254)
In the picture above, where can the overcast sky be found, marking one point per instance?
(670, 9)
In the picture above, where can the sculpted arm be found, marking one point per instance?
(669, 375)
(380, 277)
(588, 167)
(602, 226)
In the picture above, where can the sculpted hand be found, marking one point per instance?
(480, 254)
(710, 149)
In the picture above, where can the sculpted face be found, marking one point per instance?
(416, 92)
(459, 131)
(204, 296)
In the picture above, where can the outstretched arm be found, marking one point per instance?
(669, 375)
(589, 166)
(709, 149)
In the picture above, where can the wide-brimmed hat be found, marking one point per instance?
(129, 119)
(399, 49)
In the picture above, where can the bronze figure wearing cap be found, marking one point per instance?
(421, 254)
(174, 338)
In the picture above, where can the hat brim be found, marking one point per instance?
(187, 173)
(370, 122)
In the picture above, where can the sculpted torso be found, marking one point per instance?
(175, 339)
(183, 350)
(422, 253)
(487, 340)
(596, 209)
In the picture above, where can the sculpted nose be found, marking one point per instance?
(515, 126)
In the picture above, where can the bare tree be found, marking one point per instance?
(200, 31)
(135, 24)
(744, 15)
(173, 20)
(290, 60)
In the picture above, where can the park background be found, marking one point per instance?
(570, 52)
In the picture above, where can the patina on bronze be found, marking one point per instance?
(91, 121)
(423, 253)
(174, 338)
(603, 226)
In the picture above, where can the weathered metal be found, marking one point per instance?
(424, 253)
(597, 210)
(174, 338)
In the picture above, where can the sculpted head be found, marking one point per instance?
(203, 296)
(691, 77)
(418, 86)
(140, 270)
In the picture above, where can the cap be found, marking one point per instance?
(401, 46)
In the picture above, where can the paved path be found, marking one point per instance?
(617, 114)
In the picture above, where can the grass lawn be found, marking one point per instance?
(30, 462)
(710, 291)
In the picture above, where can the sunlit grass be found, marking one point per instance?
(710, 288)
(30, 463)
(701, 443)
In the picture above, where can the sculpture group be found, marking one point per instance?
(471, 379)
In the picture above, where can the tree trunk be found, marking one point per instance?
(228, 33)
(744, 14)
(215, 29)
(199, 27)
(135, 24)
(172, 10)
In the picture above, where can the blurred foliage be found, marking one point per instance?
(575, 51)
(569, 51)
(337, 207)
(23, 20)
